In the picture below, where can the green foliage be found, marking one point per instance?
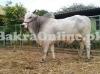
(75, 7)
(40, 12)
(14, 15)
(93, 25)
(95, 44)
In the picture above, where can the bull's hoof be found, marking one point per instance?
(54, 60)
(92, 57)
(43, 61)
(87, 60)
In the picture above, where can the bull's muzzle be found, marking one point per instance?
(24, 24)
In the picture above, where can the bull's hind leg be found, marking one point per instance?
(87, 44)
(80, 52)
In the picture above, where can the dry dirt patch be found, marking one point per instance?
(28, 62)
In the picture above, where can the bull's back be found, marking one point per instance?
(71, 25)
(74, 24)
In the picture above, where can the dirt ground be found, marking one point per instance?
(28, 61)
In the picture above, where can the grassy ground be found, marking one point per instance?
(27, 61)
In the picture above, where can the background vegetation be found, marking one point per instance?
(14, 15)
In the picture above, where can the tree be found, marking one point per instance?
(14, 13)
(75, 7)
(13, 16)
(44, 13)
(40, 12)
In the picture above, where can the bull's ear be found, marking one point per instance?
(34, 11)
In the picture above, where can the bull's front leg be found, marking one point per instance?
(52, 51)
(45, 50)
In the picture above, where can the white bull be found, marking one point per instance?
(72, 25)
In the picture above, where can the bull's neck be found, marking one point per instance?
(38, 23)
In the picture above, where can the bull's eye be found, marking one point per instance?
(30, 17)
